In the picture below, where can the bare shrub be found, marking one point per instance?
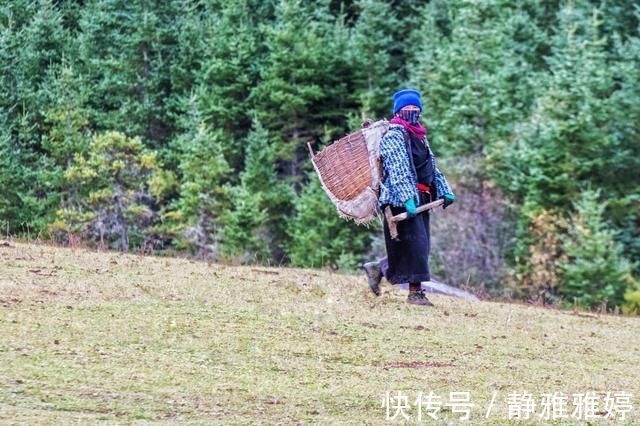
(537, 276)
(469, 238)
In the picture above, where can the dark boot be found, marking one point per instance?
(374, 275)
(418, 298)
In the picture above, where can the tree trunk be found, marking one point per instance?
(120, 219)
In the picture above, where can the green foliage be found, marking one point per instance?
(108, 199)
(67, 118)
(632, 300)
(26, 204)
(255, 226)
(204, 190)
(567, 142)
(595, 271)
(204, 172)
(581, 133)
(465, 74)
(32, 39)
(373, 46)
(123, 54)
(305, 82)
(244, 228)
(319, 237)
(229, 72)
(625, 206)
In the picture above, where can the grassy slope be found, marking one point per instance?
(92, 336)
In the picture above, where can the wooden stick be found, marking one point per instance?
(393, 220)
(420, 209)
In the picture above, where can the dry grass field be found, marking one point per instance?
(97, 336)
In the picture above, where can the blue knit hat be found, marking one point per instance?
(406, 97)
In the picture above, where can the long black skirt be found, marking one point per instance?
(407, 258)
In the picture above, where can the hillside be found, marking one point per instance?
(95, 336)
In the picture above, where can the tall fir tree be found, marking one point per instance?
(32, 40)
(228, 72)
(305, 85)
(319, 237)
(123, 54)
(204, 192)
(373, 46)
(67, 119)
(567, 141)
(624, 206)
(255, 228)
(596, 270)
(466, 98)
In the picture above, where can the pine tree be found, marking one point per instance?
(596, 271)
(621, 169)
(305, 87)
(123, 54)
(15, 208)
(466, 94)
(32, 41)
(204, 190)
(244, 228)
(255, 226)
(109, 199)
(228, 72)
(567, 141)
(319, 237)
(67, 119)
(192, 43)
(373, 46)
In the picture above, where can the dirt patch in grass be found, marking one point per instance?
(8, 301)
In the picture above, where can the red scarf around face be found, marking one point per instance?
(416, 130)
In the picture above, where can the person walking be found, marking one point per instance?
(409, 178)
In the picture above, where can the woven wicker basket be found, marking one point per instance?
(350, 172)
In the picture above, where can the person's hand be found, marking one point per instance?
(410, 206)
(448, 200)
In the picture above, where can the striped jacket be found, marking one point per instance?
(399, 181)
